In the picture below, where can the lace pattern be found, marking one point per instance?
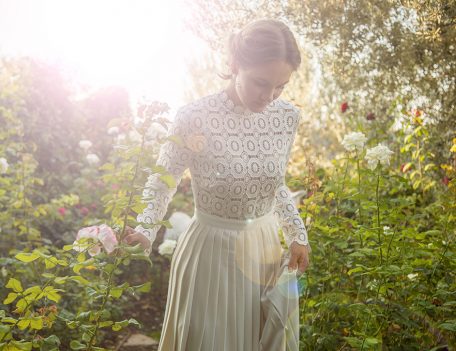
(237, 160)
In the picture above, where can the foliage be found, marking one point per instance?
(383, 268)
(53, 297)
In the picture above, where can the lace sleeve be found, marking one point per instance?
(174, 157)
(286, 210)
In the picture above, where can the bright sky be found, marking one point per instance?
(139, 44)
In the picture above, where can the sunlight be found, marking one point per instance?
(140, 45)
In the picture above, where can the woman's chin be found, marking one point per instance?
(257, 108)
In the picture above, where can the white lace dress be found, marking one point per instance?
(229, 289)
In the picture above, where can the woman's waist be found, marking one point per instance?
(222, 221)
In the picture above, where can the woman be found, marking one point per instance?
(228, 288)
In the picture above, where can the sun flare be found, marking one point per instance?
(139, 44)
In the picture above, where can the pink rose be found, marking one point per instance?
(107, 238)
(103, 235)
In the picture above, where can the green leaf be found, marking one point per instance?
(168, 180)
(49, 342)
(10, 298)
(134, 321)
(33, 290)
(79, 279)
(60, 280)
(143, 287)
(76, 345)
(105, 324)
(448, 325)
(21, 305)
(36, 323)
(116, 327)
(48, 275)
(20, 345)
(355, 270)
(15, 285)
(51, 294)
(27, 257)
(81, 257)
(23, 323)
(116, 292)
(371, 341)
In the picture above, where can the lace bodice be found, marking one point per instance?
(237, 161)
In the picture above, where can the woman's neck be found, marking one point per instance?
(232, 94)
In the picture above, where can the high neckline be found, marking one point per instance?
(232, 106)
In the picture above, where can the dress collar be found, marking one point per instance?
(231, 106)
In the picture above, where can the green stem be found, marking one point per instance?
(117, 261)
(105, 300)
(132, 184)
(378, 218)
(359, 185)
(341, 189)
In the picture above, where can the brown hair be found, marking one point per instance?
(261, 41)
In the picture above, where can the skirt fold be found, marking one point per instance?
(226, 290)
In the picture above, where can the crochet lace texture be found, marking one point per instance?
(237, 160)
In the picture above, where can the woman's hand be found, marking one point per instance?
(299, 257)
(133, 237)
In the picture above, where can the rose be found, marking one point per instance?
(179, 222)
(167, 247)
(92, 159)
(113, 131)
(378, 154)
(344, 107)
(85, 144)
(354, 140)
(103, 235)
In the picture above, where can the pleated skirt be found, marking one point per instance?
(230, 288)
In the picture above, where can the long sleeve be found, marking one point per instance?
(174, 157)
(286, 210)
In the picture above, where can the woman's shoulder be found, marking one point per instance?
(202, 104)
(285, 106)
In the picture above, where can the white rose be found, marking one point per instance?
(179, 221)
(167, 247)
(156, 131)
(379, 153)
(92, 159)
(3, 165)
(113, 131)
(85, 144)
(135, 136)
(354, 140)
(121, 137)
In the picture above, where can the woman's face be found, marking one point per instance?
(258, 86)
